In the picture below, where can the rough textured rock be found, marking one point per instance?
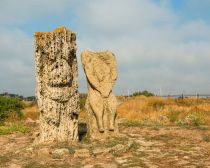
(60, 152)
(57, 86)
(43, 152)
(82, 153)
(101, 72)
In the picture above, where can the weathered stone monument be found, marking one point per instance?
(101, 73)
(57, 86)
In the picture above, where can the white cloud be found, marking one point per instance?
(120, 16)
(16, 62)
(16, 46)
(17, 12)
(153, 46)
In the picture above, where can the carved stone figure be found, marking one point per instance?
(101, 73)
(57, 86)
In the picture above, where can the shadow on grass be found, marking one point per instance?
(82, 130)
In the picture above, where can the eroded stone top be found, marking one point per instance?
(57, 30)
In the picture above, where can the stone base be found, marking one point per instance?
(92, 126)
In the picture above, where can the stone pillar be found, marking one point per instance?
(101, 73)
(57, 86)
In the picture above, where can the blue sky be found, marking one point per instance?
(159, 44)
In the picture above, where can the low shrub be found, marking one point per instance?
(82, 103)
(206, 138)
(143, 93)
(10, 108)
(173, 116)
(13, 127)
(193, 119)
(132, 123)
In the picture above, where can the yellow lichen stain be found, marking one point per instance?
(57, 30)
(40, 33)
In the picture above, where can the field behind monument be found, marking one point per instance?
(170, 111)
(154, 132)
(151, 110)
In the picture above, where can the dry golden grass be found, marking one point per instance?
(155, 108)
(150, 108)
(31, 110)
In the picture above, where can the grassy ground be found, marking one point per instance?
(154, 109)
(137, 146)
(188, 111)
(137, 111)
(10, 128)
(151, 110)
(155, 132)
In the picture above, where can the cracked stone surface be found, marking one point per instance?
(57, 86)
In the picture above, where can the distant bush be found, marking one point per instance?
(143, 93)
(82, 98)
(206, 138)
(193, 119)
(31, 98)
(82, 103)
(10, 108)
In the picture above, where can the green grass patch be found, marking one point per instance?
(82, 103)
(34, 164)
(206, 138)
(141, 123)
(186, 148)
(4, 159)
(13, 127)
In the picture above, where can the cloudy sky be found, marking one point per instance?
(159, 44)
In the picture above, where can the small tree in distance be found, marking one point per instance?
(143, 93)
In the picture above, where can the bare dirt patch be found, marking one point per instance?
(139, 146)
